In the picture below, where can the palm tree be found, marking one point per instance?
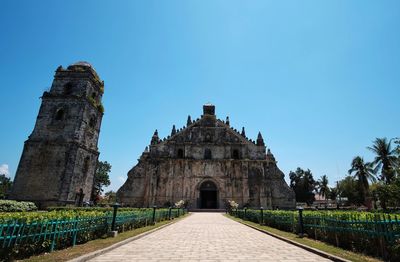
(323, 186)
(363, 173)
(385, 159)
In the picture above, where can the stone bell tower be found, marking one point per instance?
(60, 156)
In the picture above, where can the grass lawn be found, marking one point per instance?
(79, 250)
(311, 243)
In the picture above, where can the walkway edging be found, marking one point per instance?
(311, 249)
(116, 245)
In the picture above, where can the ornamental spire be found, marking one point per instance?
(243, 132)
(155, 139)
(189, 121)
(173, 131)
(260, 140)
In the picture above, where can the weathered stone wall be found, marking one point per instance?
(168, 181)
(60, 156)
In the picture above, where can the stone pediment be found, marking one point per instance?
(207, 129)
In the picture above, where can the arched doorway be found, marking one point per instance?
(208, 195)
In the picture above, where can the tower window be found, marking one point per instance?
(180, 153)
(92, 122)
(68, 89)
(94, 95)
(59, 114)
(85, 167)
(207, 154)
(235, 154)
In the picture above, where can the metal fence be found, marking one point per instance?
(61, 233)
(370, 233)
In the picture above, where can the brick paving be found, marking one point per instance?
(208, 237)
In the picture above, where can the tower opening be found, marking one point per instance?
(92, 122)
(59, 114)
(207, 154)
(180, 153)
(68, 89)
(235, 154)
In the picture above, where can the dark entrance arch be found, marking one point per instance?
(208, 195)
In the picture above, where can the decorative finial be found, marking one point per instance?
(209, 109)
(270, 155)
(173, 131)
(227, 121)
(243, 132)
(189, 121)
(146, 150)
(260, 140)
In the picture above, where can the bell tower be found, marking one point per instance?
(59, 158)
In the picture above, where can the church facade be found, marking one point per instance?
(206, 164)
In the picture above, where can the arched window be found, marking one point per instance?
(235, 154)
(207, 154)
(68, 89)
(92, 122)
(85, 167)
(180, 153)
(59, 114)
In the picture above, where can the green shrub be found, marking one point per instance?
(15, 206)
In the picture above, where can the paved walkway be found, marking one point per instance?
(208, 237)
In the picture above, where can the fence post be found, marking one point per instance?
(53, 235)
(301, 225)
(75, 231)
(262, 216)
(169, 213)
(245, 213)
(154, 214)
(113, 232)
(115, 206)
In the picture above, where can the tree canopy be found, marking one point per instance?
(303, 184)
(101, 178)
(5, 186)
(385, 159)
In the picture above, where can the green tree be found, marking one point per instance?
(5, 186)
(397, 152)
(387, 194)
(385, 159)
(363, 172)
(332, 193)
(348, 187)
(303, 184)
(101, 179)
(111, 196)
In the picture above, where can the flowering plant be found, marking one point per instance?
(180, 203)
(233, 204)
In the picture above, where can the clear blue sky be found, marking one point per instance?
(319, 79)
